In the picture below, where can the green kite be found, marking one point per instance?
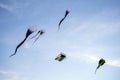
(101, 62)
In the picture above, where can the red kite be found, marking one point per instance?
(60, 56)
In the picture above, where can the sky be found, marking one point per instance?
(90, 31)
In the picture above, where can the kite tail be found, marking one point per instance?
(97, 68)
(36, 39)
(35, 35)
(59, 27)
(60, 23)
(18, 47)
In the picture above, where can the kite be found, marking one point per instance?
(67, 12)
(40, 32)
(60, 56)
(100, 63)
(29, 31)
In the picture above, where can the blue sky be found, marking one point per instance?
(91, 31)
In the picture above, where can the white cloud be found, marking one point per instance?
(9, 75)
(95, 58)
(15, 6)
(114, 62)
(6, 7)
(102, 24)
(92, 58)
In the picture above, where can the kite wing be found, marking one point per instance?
(102, 61)
(66, 13)
(29, 31)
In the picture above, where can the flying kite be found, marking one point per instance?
(60, 56)
(66, 13)
(100, 63)
(29, 31)
(40, 32)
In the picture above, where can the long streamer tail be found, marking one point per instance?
(36, 39)
(60, 23)
(18, 47)
(97, 68)
(35, 35)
